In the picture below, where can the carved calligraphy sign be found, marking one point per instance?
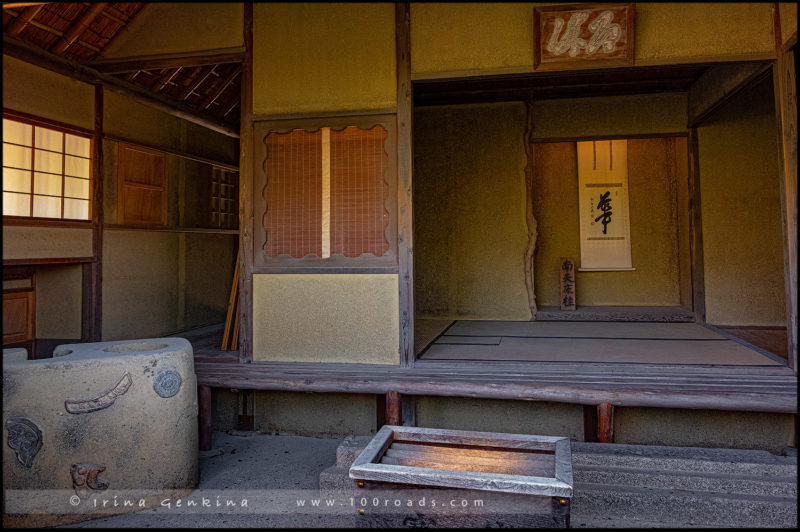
(584, 36)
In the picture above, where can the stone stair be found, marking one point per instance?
(653, 486)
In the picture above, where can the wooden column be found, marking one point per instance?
(404, 169)
(394, 409)
(589, 423)
(92, 303)
(785, 87)
(204, 413)
(246, 196)
(605, 423)
(696, 231)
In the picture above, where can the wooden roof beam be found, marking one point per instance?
(77, 28)
(168, 76)
(194, 86)
(14, 5)
(160, 61)
(22, 21)
(76, 70)
(220, 87)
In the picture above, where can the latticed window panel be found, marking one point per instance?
(325, 193)
(46, 172)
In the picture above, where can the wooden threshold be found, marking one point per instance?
(745, 388)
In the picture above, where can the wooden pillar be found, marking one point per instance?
(404, 169)
(246, 419)
(204, 421)
(785, 87)
(409, 410)
(589, 423)
(92, 304)
(394, 409)
(696, 231)
(246, 196)
(605, 423)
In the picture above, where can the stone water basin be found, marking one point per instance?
(106, 421)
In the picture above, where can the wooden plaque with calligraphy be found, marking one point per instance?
(583, 36)
(568, 296)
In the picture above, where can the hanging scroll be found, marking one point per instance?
(603, 198)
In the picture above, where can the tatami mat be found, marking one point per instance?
(652, 343)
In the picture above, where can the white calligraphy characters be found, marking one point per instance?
(605, 34)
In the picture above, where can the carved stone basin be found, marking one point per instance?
(106, 421)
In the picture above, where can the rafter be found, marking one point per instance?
(193, 87)
(168, 76)
(219, 87)
(77, 28)
(22, 21)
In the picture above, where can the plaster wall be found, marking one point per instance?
(140, 284)
(37, 91)
(59, 296)
(326, 318)
(497, 415)
(470, 233)
(29, 242)
(172, 27)
(468, 37)
(740, 194)
(636, 114)
(327, 415)
(209, 261)
(704, 428)
(323, 57)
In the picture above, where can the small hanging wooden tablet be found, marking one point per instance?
(568, 297)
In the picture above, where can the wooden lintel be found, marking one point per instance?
(394, 409)
(161, 61)
(605, 423)
(718, 85)
(73, 69)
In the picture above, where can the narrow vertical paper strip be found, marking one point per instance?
(326, 192)
(603, 196)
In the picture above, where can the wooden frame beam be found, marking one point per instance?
(161, 61)
(719, 84)
(73, 69)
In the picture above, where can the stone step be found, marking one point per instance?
(350, 448)
(721, 483)
(593, 504)
(336, 479)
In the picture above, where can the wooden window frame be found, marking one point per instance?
(37, 121)
(366, 263)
